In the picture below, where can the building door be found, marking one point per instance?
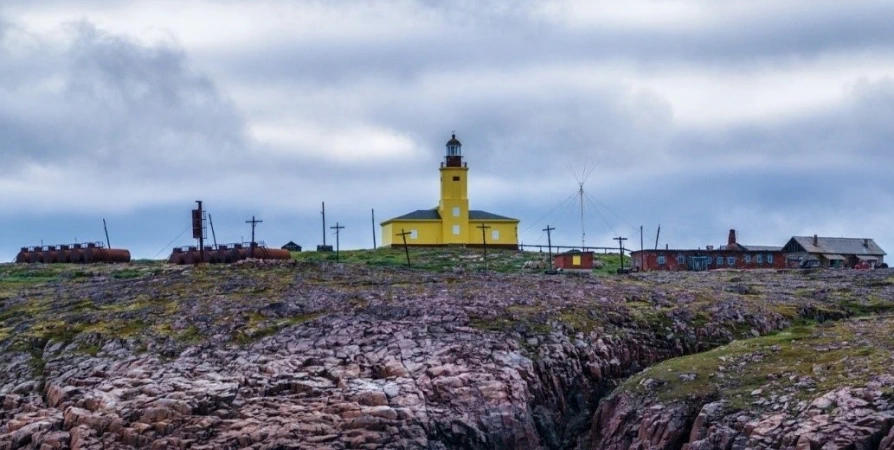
(698, 263)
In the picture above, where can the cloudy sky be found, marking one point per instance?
(773, 117)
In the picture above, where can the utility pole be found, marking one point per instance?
(254, 222)
(404, 234)
(109, 244)
(656, 236)
(374, 228)
(323, 212)
(621, 251)
(484, 228)
(198, 229)
(641, 265)
(583, 234)
(337, 229)
(549, 243)
(214, 236)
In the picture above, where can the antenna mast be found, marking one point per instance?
(583, 233)
(581, 178)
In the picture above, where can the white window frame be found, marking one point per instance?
(414, 234)
(495, 235)
(456, 230)
(456, 211)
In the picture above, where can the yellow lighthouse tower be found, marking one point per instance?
(452, 222)
(454, 205)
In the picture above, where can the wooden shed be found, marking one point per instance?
(573, 259)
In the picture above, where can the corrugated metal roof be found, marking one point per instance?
(484, 215)
(762, 248)
(843, 246)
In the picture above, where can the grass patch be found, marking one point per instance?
(127, 274)
(826, 354)
(868, 306)
(434, 259)
(259, 327)
(190, 335)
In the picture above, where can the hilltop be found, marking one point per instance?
(314, 354)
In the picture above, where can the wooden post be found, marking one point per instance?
(549, 242)
(337, 229)
(484, 228)
(404, 234)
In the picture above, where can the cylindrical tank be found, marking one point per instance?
(34, 255)
(51, 255)
(77, 254)
(176, 256)
(272, 253)
(92, 253)
(107, 255)
(24, 256)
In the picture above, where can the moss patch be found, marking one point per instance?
(821, 357)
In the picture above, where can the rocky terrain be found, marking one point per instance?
(321, 355)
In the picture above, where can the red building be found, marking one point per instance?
(573, 259)
(730, 256)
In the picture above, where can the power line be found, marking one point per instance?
(593, 199)
(172, 241)
(604, 220)
(533, 224)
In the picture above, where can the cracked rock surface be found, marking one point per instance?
(280, 356)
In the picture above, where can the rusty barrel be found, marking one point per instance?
(24, 256)
(50, 255)
(177, 256)
(65, 253)
(107, 255)
(272, 253)
(77, 254)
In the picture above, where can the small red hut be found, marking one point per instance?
(573, 259)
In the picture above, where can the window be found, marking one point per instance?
(456, 230)
(414, 234)
(769, 259)
(719, 260)
(747, 259)
(681, 260)
(709, 260)
(495, 235)
(455, 178)
(731, 261)
(661, 260)
(456, 211)
(575, 260)
(760, 259)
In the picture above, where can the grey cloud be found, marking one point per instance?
(120, 107)
(853, 135)
(475, 40)
(148, 110)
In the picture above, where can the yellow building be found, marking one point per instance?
(452, 222)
